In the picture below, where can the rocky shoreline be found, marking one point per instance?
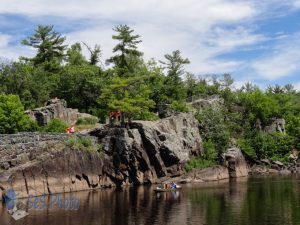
(145, 152)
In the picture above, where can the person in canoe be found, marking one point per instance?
(173, 185)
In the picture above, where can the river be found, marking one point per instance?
(253, 201)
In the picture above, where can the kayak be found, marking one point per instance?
(167, 189)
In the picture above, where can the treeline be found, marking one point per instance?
(128, 83)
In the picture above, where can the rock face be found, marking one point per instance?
(277, 125)
(235, 162)
(199, 102)
(34, 163)
(214, 173)
(148, 150)
(55, 108)
(56, 168)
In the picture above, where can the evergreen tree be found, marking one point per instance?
(49, 45)
(127, 55)
(95, 54)
(174, 64)
(12, 116)
(128, 95)
(74, 55)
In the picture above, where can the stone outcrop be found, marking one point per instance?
(17, 149)
(235, 162)
(214, 173)
(276, 125)
(200, 102)
(56, 167)
(35, 163)
(147, 151)
(56, 108)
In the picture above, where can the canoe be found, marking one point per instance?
(167, 189)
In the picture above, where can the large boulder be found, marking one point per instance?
(56, 108)
(235, 162)
(56, 170)
(276, 125)
(150, 150)
(214, 173)
(202, 102)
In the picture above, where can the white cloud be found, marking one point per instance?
(297, 86)
(283, 61)
(134, 10)
(202, 30)
(12, 52)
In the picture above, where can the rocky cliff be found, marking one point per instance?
(145, 152)
(55, 108)
(52, 165)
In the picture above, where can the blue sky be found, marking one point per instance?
(254, 40)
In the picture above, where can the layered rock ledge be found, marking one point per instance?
(34, 164)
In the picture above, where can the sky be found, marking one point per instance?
(255, 41)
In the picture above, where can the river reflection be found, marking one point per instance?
(257, 201)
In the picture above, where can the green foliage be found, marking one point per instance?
(83, 144)
(293, 128)
(127, 55)
(198, 163)
(129, 95)
(74, 55)
(174, 86)
(180, 106)
(87, 121)
(209, 158)
(259, 106)
(12, 116)
(275, 145)
(49, 44)
(146, 115)
(137, 88)
(246, 148)
(56, 126)
(95, 54)
(213, 128)
(80, 86)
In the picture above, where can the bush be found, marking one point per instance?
(213, 128)
(56, 126)
(198, 163)
(83, 144)
(12, 116)
(146, 115)
(209, 158)
(179, 106)
(272, 146)
(246, 148)
(87, 121)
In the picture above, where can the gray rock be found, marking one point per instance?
(5, 165)
(285, 172)
(266, 162)
(235, 162)
(208, 174)
(278, 163)
(151, 149)
(276, 125)
(273, 171)
(202, 102)
(56, 108)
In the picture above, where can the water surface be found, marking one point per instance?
(253, 201)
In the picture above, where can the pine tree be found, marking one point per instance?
(49, 44)
(127, 55)
(174, 64)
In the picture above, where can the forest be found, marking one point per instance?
(136, 87)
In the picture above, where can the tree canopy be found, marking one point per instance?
(137, 88)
